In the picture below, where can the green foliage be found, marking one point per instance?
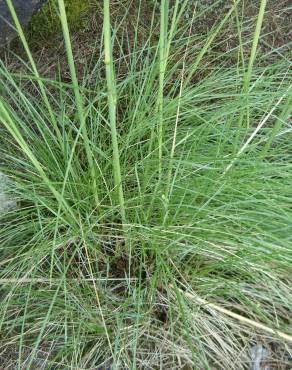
(45, 25)
(198, 149)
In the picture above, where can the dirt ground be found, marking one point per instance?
(86, 30)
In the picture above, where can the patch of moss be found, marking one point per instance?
(46, 23)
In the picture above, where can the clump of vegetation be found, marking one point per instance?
(45, 25)
(154, 218)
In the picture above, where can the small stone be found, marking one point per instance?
(258, 355)
(6, 203)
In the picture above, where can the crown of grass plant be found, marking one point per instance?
(153, 222)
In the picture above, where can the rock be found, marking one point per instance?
(6, 203)
(258, 356)
(24, 9)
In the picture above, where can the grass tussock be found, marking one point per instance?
(163, 175)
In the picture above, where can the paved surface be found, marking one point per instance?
(24, 9)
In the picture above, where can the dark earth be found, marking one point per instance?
(24, 9)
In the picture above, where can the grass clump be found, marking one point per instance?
(160, 181)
